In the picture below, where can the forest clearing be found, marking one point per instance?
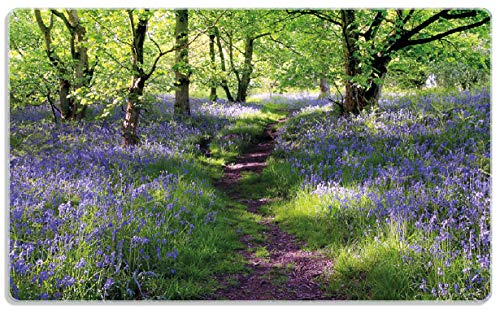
(249, 154)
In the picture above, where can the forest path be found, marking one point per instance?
(277, 267)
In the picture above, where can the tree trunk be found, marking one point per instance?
(354, 98)
(83, 73)
(246, 73)
(354, 93)
(70, 108)
(223, 67)
(181, 105)
(65, 103)
(213, 82)
(136, 89)
(64, 84)
(131, 121)
(377, 81)
(378, 72)
(357, 96)
(324, 88)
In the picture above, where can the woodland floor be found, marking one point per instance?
(285, 272)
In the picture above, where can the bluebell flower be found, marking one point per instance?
(81, 263)
(43, 276)
(108, 284)
(66, 281)
(173, 254)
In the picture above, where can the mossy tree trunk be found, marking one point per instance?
(181, 68)
(75, 75)
(139, 78)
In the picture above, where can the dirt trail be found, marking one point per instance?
(285, 272)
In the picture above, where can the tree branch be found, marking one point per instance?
(288, 17)
(131, 19)
(119, 63)
(61, 15)
(318, 14)
(464, 14)
(408, 16)
(175, 48)
(227, 41)
(41, 24)
(261, 35)
(443, 40)
(53, 58)
(109, 31)
(404, 40)
(340, 103)
(372, 30)
(155, 43)
(287, 46)
(231, 59)
(406, 35)
(445, 34)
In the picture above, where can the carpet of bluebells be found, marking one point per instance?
(416, 168)
(90, 219)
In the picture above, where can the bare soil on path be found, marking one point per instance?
(285, 271)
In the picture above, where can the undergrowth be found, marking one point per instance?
(398, 197)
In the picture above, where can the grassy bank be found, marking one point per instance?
(398, 196)
(92, 220)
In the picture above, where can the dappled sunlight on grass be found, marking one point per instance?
(93, 220)
(399, 197)
(413, 173)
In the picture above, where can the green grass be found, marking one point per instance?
(205, 251)
(369, 257)
(277, 276)
(247, 129)
(211, 250)
(261, 252)
(277, 180)
(366, 259)
(371, 270)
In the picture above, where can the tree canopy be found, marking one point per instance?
(79, 57)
